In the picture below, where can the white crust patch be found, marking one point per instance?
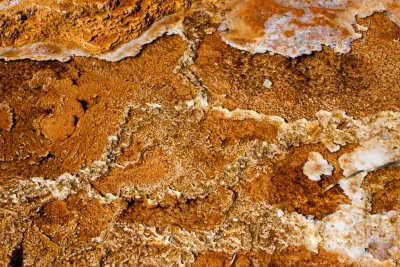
(316, 166)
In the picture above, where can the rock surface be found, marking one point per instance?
(143, 133)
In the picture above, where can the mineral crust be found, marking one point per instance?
(199, 133)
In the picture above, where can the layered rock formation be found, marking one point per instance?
(199, 133)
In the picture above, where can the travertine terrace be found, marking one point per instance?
(199, 133)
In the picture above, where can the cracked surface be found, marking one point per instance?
(181, 156)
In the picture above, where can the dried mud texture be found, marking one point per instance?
(193, 152)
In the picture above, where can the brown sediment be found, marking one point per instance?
(200, 213)
(77, 212)
(300, 256)
(305, 85)
(192, 153)
(6, 117)
(75, 220)
(212, 259)
(197, 150)
(223, 132)
(71, 106)
(384, 188)
(284, 184)
(292, 256)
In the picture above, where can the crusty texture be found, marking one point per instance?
(56, 105)
(94, 26)
(180, 155)
(304, 85)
